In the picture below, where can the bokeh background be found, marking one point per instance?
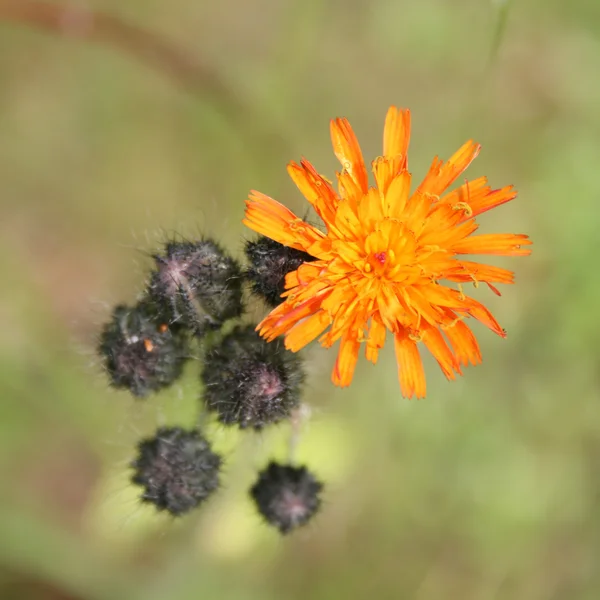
(113, 139)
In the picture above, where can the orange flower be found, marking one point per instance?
(383, 256)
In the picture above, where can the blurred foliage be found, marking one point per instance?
(486, 489)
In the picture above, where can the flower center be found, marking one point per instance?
(380, 257)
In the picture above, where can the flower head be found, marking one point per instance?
(387, 256)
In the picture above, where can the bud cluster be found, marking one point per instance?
(193, 292)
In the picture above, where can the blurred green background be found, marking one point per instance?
(487, 489)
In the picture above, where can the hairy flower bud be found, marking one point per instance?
(250, 382)
(177, 469)
(270, 262)
(140, 352)
(286, 496)
(197, 284)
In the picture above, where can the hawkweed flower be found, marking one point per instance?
(386, 257)
(177, 470)
(286, 496)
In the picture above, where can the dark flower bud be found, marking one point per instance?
(197, 284)
(177, 469)
(250, 382)
(139, 350)
(286, 496)
(270, 262)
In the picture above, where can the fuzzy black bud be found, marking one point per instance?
(250, 382)
(177, 469)
(270, 262)
(139, 350)
(197, 284)
(286, 496)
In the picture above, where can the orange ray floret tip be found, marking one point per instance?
(388, 261)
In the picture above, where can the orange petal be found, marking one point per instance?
(348, 313)
(347, 150)
(348, 256)
(390, 308)
(396, 196)
(321, 248)
(445, 237)
(416, 211)
(282, 318)
(442, 295)
(492, 199)
(265, 326)
(304, 332)
(370, 210)
(376, 339)
(440, 218)
(418, 298)
(268, 217)
(442, 175)
(447, 297)
(396, 134)
(347, 222)
(304, 274)
(410, 366)
(384, 169)
(468, 192)
(502, 244)
(466, 271)
(477, 197)
(436, 344)
(483, 315)
(343, 370)
(464, 343)
(315, 189)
